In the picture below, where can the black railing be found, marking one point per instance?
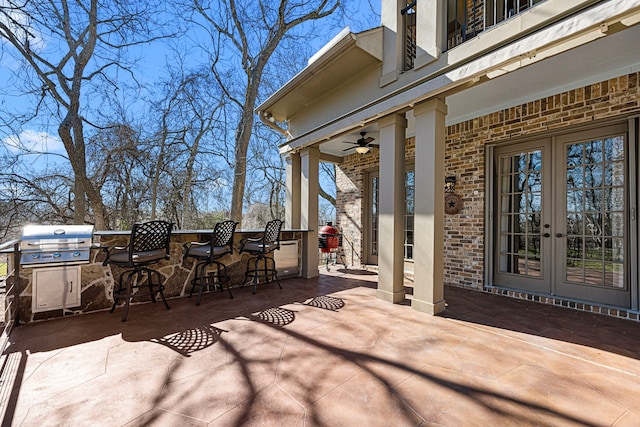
(409, 35)
(466, 19)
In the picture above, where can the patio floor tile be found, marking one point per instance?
(324, 352)
(362, 401)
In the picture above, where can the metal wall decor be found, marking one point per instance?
(453, 203)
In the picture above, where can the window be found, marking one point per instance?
(373, 218)
(409, 209)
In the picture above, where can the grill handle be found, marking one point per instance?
(47, 242)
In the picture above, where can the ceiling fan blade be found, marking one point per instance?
(368, 140)
(350, 148)
(373, 145)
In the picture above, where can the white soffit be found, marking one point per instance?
(340, 60)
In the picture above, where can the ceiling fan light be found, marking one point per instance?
(362, 150)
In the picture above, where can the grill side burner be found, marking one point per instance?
(47, 245)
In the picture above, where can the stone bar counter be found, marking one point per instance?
(98, 281)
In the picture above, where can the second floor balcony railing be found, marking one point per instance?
(465, 20)
(468, 18)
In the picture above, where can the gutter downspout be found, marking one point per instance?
(268, 120)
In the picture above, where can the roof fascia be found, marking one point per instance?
(339, 45)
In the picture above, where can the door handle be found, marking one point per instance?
(547, 235)
(558, 234)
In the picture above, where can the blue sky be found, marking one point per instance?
(363, 14)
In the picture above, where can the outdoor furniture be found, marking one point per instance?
(261, 249)
(148, 245)
(207, 253)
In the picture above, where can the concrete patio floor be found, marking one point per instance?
(325, 352)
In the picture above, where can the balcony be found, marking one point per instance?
(325, 351)
(467, 19)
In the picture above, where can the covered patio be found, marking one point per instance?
(325, 352)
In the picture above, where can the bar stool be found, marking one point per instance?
(149, 244)
(261, 249)
(207, 254)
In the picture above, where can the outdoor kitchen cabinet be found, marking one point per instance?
(56, 288)
(63, 273)
(287, 260)
(53, 254)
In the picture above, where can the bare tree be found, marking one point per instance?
(328, 170)
(185, 144)
(64, 46)
(266, 176)
(182, 157)
(25, 199)
(244, 35)
(114, 157)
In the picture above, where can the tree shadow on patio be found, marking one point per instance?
(299, 352)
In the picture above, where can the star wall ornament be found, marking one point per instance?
(453, 204)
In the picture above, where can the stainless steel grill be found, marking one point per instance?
(46, 245)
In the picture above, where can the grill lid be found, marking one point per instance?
(43, 245)
(50, 237)
(48, 232)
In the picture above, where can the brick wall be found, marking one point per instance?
(465, 158)
(351, 185)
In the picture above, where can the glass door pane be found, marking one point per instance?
(592, 243)
(521, 212)
(595, 209)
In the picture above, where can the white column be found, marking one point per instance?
(429, 32)
(309, 189)
(392, 40)
(391, 209)
(292, 206)
(428, 291)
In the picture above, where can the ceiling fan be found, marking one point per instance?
(362, 145)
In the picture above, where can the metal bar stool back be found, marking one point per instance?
(261, 249)
(149, 243)
(207, 254)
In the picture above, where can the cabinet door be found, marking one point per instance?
(56, 288)
(287, 259)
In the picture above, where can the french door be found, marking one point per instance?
(592, 223)
(523, 217)
(560, 224)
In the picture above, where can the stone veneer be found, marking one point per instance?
(466, 143)
(98, 281)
